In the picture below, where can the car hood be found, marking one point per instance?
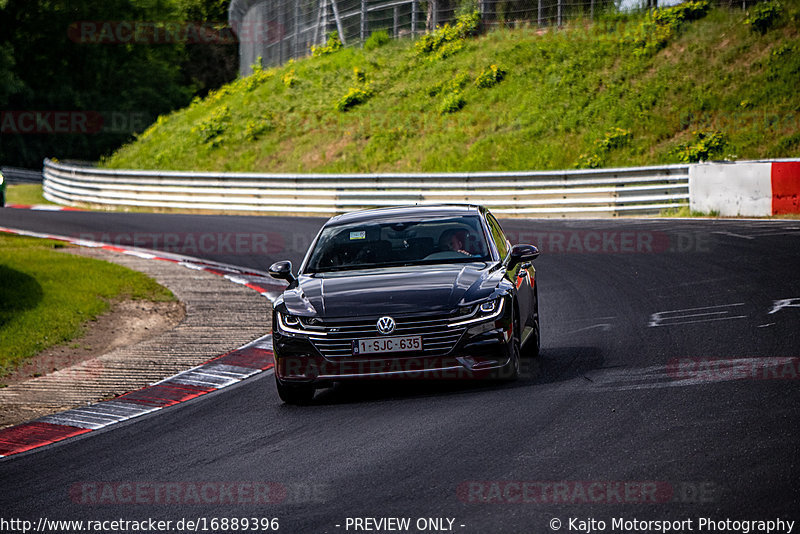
(429, 288)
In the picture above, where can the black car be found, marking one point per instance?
(417, 292)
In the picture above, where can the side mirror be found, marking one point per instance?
(282, 270)
(522, 253)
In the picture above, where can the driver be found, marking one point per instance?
(454, 240)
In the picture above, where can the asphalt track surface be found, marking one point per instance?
(669, 364)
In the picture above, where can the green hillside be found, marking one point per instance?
(686, 83)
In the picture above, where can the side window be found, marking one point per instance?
(498, 236)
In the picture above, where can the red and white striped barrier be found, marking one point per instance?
(750, 189)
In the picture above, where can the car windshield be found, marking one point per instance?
(396, 242)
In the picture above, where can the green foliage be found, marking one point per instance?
(353, 97)
(784, 63)
(614, 138)
(334, 44)
(257, 79)
(489, 77)
(659, 28)
(764, 16)
(589, 161)
(564, 95)
(212, 129)
(289, 79)
(454, 85)
(686, 211)
(447, 40)
(377, 39)
(255, 129)
(49, 62)
(452, 102)
(359, 75)
(707, 145)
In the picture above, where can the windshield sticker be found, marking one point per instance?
(358, 235)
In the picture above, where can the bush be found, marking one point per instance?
(589, 161)
(289, 79)
(376, 40)
(764, 16)
(615, 138)
(490, 77)
(452, 103)
(359, 75)
(212, 129)
(654, 33)
(354, 97)
(258, 77)
(447, 40)
(706, 146)
(255, 129)
(450, 86)
(334, 44)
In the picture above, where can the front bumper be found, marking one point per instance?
(480, 352)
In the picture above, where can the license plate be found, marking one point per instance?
(380, 345)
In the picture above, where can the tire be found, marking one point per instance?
(295, 394)
(532, 346)
(512, 370)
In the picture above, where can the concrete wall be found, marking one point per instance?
(748, 189)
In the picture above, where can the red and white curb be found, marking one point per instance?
(42, 207)
(218, 373)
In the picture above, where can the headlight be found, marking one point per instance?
(1, 178)
(491, 309)
(294, 325)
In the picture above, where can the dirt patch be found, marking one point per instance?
(126, 323)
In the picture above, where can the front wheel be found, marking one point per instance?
(297, 394)
(532, 346)
(511, 370)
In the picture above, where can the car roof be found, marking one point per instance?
(442, 210)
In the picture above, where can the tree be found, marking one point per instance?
(77, 81)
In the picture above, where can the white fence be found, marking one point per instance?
(576, 193)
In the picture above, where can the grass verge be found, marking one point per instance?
(47, 297)
(26, 194)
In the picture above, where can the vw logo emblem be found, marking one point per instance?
(386, 325)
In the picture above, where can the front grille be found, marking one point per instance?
(437, 338)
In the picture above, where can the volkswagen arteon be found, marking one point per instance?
(417, 292)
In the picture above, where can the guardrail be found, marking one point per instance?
(16, 175)
(595, 192)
